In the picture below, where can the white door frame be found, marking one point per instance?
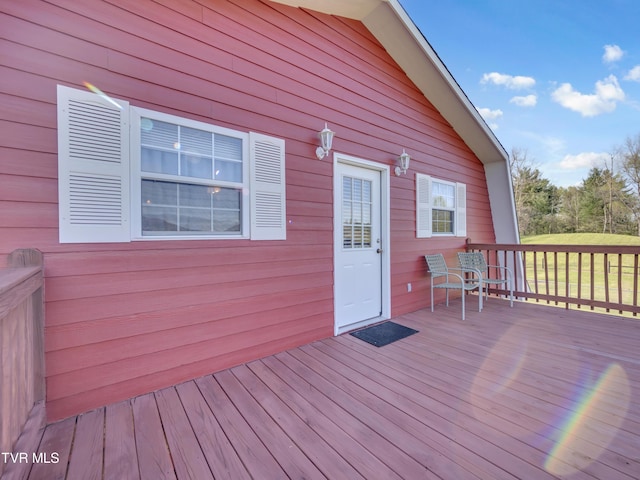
(385, 234)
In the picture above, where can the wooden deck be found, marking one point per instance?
(532, 392)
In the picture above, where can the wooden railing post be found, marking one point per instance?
(22, 380)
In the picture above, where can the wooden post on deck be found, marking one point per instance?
(22, 380)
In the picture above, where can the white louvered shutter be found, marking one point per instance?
(268, 195)
(461, 210)
(93, 167)
(423, 205)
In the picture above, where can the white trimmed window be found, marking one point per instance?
(440, 207)
(127, 173)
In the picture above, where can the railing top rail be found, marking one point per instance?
(609, 249)
(12, 277)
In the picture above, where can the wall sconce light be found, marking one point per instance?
(326, 139)
(404, 163)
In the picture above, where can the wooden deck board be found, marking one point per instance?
(528, 392)
(120, 459)
(86, 458)
(153, 454)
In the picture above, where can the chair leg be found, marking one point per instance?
(432, 297)
(463, 295)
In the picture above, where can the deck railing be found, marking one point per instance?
(22, 384)
(594, 276)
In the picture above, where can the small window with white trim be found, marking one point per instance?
(440, 207)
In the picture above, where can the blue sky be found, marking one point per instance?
(557, 78)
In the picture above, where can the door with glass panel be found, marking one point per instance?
(358, 247)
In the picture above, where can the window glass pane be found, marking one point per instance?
(159, 193)
(357, 213)
(194, 196)
(155, 133)
(357, 189)
(442, 221)
(159, 219)
(357, 236)
(347, 236)
(228, 198)
(159, 161)
(228, 148)
(366, 236)
(346, 188)
(195, 220)
(226, 221)
(443, 195)
(346, 213)
(366, 191)
(228, 171)
(228, 158)
(196, 142)
(193, 166)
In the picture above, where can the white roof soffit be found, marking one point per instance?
(394, 29)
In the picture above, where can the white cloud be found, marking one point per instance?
(634, 74)
(527, 101)
(489, 114)
(517, 82)
(604, 100)
(612, 53)
(583, 160)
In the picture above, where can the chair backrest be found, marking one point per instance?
(473, 260)
(437, 265)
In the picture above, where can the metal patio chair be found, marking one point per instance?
(475, 262)
(452, 281)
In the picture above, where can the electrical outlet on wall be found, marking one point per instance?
(409, 287)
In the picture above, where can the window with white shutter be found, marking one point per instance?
(440, 207)
(130, 173)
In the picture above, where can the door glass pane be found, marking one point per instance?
(356, 213)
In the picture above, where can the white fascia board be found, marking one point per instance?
(354, 9)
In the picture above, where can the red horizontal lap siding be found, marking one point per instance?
(124, 319)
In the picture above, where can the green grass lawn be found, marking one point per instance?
(601, 277)
(581, 239)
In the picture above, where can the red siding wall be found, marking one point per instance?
(124, 319)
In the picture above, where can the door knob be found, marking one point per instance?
(379, 250)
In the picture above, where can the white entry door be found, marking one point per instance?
(358, 247)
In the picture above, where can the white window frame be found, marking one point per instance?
(425, 207)
(137, 175)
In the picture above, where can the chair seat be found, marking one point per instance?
(467, 286)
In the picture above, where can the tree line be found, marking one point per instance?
(607, 201)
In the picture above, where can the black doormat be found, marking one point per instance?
(383, 333)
